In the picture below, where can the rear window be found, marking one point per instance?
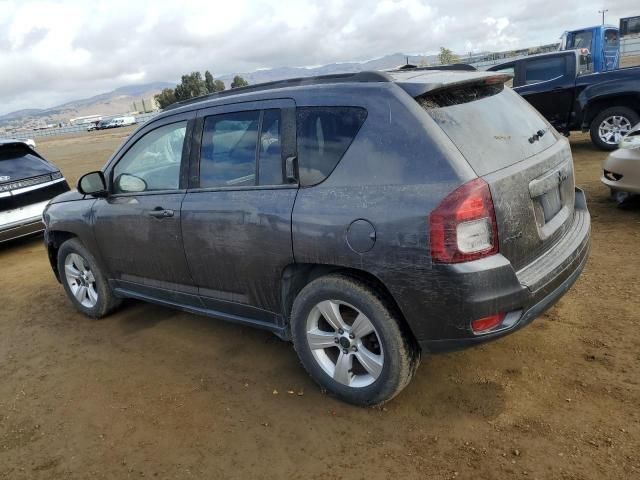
(544, 69)
(324, 135)
(8, 152)
(492, 126)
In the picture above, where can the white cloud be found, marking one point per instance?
(52, 51)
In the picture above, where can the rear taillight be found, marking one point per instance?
(463, 227)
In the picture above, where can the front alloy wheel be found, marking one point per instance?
(81, 280)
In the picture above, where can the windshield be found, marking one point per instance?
(580, 39)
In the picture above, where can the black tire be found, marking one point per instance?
(632, 117)
(401, 356)
(106, 300)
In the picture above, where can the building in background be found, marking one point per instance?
(145, 105)
(630, 41)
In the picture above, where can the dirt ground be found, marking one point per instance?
(152, 392)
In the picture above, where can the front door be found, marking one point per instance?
(236, 216)
(137, 226)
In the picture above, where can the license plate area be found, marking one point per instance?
(550, 196)
(550, 202)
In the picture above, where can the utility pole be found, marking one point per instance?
(603, 11)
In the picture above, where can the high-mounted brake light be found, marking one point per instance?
(463, 227)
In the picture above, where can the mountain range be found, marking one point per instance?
(119, 100)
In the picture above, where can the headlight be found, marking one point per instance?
(631, 141)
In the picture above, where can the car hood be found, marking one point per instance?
(70, 196)
(22, 167)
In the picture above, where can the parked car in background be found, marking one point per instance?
(560, 85)
(27, 183)
(367, 217)
(621, 169)
(114, 122)
(121, 122)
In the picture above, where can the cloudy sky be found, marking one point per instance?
(54, 51)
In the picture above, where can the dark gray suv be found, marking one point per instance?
(367, 217)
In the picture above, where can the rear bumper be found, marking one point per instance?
(488, 286)
(21, 221)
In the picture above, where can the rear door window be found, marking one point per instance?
(228, 154)
(324, 134)
(544, 69)
(242, 149)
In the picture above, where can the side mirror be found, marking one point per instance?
(93, 184)
(126, 183)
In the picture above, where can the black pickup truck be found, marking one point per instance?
(561, 86)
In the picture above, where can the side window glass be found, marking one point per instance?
(270, 159)
(324, 134)
(228, 153)
(544, 69)
(153, 163)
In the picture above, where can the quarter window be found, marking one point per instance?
(324, 135)
(544, 69)
(153, 163)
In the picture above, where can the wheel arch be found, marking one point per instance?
(54, 239)
(598, 104)
(296, 276)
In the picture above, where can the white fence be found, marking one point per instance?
(51, 132)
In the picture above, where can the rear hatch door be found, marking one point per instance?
(526, 163)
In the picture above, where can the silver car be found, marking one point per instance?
(621, 169)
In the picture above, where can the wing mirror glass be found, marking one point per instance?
(126, 183)
(93, 184)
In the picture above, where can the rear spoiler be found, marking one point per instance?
(417, 84)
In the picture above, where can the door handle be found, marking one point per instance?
(160, 212)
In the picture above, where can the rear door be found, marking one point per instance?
(548, 83)
(236, 216)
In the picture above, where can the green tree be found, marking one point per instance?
(166, 97)
(208, 82)
(211, 84)
(219, 85)
(447, 57)
(238, 81)
(192, 85)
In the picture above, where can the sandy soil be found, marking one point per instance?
(151, 392)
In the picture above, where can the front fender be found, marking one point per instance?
(66, 220)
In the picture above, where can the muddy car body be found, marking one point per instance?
(27, 183)
(385, 216)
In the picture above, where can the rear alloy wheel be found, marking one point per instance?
(83, 280)
(610, 125)
(345, 343)
(349, 339)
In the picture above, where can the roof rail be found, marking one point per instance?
(360, 77)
